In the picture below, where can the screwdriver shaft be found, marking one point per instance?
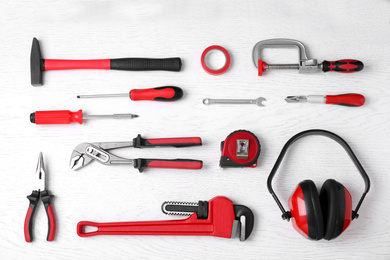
(103, 95)
(115, 116)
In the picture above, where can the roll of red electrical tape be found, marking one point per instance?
(221, 70)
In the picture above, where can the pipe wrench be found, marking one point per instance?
(85, 153)
(217, 217)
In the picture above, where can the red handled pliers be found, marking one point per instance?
(46, 198)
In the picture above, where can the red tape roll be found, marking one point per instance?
(211, 71)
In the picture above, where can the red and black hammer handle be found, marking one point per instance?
(344, 66)
(135, 64)
(28, 222)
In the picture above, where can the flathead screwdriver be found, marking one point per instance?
(167, 93)
(66, 117)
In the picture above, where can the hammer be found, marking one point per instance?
(37, 64)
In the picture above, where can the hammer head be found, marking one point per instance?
(35, 64)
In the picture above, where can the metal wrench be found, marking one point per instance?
(258, 101)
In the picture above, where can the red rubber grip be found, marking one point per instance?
(27, 222)
(52, 223)
(180, 140)
(176, 164)
(57, 117)
(77, 64)
(157, 94)
(355, 100)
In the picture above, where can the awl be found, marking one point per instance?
(166, 93)
(352, 100)
(56, 117)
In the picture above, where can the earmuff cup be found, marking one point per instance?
(313, 210)
(327, 214)
(333, 206)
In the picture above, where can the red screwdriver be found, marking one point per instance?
(167, 93)
(351, 100)
(66, 117)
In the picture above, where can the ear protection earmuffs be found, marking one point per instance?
(324, 215)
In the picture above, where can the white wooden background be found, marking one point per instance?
(115, 29)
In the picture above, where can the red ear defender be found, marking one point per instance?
(298, 212)
(324, 215)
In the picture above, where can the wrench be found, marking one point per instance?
(258, 101)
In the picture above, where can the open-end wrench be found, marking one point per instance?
(258, 101)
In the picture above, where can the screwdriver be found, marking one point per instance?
(66, 117)
(351, 100)
(166, 93)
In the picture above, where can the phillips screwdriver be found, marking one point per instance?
(351, 100)
(66, 117)
(166, 93)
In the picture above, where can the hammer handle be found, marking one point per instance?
(169, 64)
(136, 64)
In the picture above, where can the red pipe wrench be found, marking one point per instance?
(217, 217)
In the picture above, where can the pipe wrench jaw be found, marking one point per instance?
(244, 222)
(215, 211)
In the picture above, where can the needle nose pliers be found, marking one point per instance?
(40, 191)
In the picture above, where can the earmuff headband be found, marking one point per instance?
(286, 214)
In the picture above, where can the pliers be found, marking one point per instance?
(85, 153)
(46, 198)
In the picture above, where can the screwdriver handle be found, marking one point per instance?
(56, 117)
(142, 164)
(139, 142)
(353, 100)
(167, 93)
(343, 66)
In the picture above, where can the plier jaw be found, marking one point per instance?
(41, 174)
(223, 220)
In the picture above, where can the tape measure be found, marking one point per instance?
(240, 149)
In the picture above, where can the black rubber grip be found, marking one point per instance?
(344, 66)
(139, 64)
